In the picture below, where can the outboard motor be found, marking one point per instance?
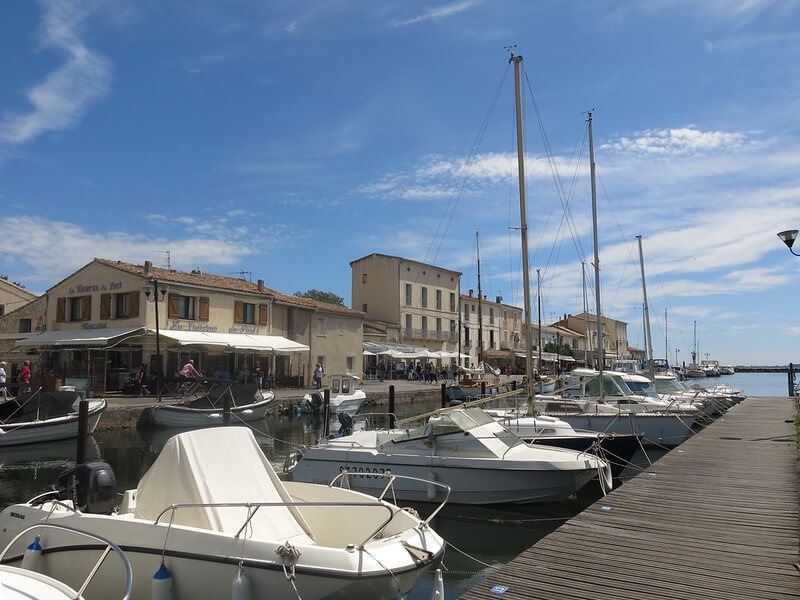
(346, 423)
(316, 402)
(92, 487)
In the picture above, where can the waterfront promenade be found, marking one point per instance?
(715, 518)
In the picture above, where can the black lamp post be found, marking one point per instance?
(788, 237)
(155, 297)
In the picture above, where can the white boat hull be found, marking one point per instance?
(183, 416)
(59, 428)
(656, 429)
(343, 403)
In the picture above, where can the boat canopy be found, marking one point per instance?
(217, 466)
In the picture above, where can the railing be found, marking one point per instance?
(108, 548)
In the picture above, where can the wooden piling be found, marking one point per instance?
(391, 407)
(83, 432)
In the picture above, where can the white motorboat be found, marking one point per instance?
(211, 512)
(26, 583)
(246, 404)
(727, 370)
(480, 460)
(346, 396)
(44, 416)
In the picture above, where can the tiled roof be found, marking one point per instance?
(17, 288)
(223, 282)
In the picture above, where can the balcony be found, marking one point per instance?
(429, 334)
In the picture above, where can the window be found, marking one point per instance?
(334, 386)
(424, 297)
(249, 313)
(24, 325)
(121, 306)
(452, 302)
(408, 322)
(364, 278)
(466, 312)
(491, 316)
(452, 326)
(74, 309)
(438, 299)
(466, 335)
(186, 307)
(364, 307)
(424, 323)
(346, 382)
(2, 309)
(351, 365)
(491, 339)
(408, 294)
(438, 325)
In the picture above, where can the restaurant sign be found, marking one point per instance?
(177, 325)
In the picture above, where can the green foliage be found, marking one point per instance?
(320, 296)
(562, 349)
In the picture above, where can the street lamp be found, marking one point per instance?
(156, 296)
(788, 237)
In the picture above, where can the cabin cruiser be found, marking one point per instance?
(44, 416)
(480, 460)
(346, 397)
(211, 511)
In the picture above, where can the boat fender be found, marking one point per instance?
(430, 489)
(438, 586)
(605, 476)
(162, 584)
(291, 461)
(240, 589)
(32, 556)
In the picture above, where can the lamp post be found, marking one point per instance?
(788, 237)
(677, 364)
(156, 296)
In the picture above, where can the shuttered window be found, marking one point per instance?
(263, 314)
(105, 307)
(133, 305)
(174, 306)
(202, 313)
(61, 310)
(238, 312)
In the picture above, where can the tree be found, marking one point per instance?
(320, 296)
(562, 349)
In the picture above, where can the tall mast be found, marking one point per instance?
(650, 367)
(480, 297)
(539, 310)
(585, 316)
(600, 344)
(523, 218)
(694, 346)
(666, 337)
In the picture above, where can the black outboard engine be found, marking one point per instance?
(346, 422)
(316, 402)
(92, 487)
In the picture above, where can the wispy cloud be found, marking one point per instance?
(673, 142)
(66, 93)
(439, 12)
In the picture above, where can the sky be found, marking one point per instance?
(281, 140)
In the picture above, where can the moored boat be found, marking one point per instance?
(345, 396)
(44, 416)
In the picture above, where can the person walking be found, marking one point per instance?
(318, 373)
(3, 380)
(258, 375)
(24, 377)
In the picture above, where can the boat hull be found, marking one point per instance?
(184, 416)
(657, 429)
(59, 428)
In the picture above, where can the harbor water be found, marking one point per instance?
(480, 538)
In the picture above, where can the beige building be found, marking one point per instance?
(13, 296)
(615, 336)
(101, 325)
(495, 323)
(421, 299)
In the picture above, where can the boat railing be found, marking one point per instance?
(253, 508)
(109, 546)
(344, 476)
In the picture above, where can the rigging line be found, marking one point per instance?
(452, 203)
(551, 161)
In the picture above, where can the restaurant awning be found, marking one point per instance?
(81, 338)
(238, 341)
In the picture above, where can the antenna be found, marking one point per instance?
(167, 255)
(242, 274)
(510, 50)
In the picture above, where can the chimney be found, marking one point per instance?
(261, 285)
(499, 299)
(470, 293)
(148, 266)
(484, 297)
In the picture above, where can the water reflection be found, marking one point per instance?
(492, 535)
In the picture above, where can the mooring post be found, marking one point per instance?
(83, 431)
(514, 385)
(391, 407)
(791, 380)
(326, 411)
(226, 408)
(444, 395)
(483, 389)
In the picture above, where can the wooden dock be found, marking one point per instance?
(715, 518)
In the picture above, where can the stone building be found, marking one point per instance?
(13, 296)
(615, 336)
(101, 325)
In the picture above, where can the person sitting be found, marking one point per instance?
(188, 371)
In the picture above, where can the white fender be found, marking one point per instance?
(162, 584)
(32, 556)
(430, 489)
(240, 588)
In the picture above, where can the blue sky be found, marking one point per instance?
(288, 138)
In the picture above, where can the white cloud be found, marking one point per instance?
(793, 329)
(439, 12)
(680, 141)
(66, 93)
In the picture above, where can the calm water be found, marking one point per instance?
(492, 535)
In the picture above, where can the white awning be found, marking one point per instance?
(238, 341)
(105, 336)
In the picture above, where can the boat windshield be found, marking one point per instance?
(612, 386)
(669, 385)
(453, 422)
(642, 388)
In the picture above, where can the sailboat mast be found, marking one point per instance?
(666, 337)
(694, 346)
(539, 310)
(601, 346)
(585, 316)
(523, 217)
(480, 297)
(650, 367)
